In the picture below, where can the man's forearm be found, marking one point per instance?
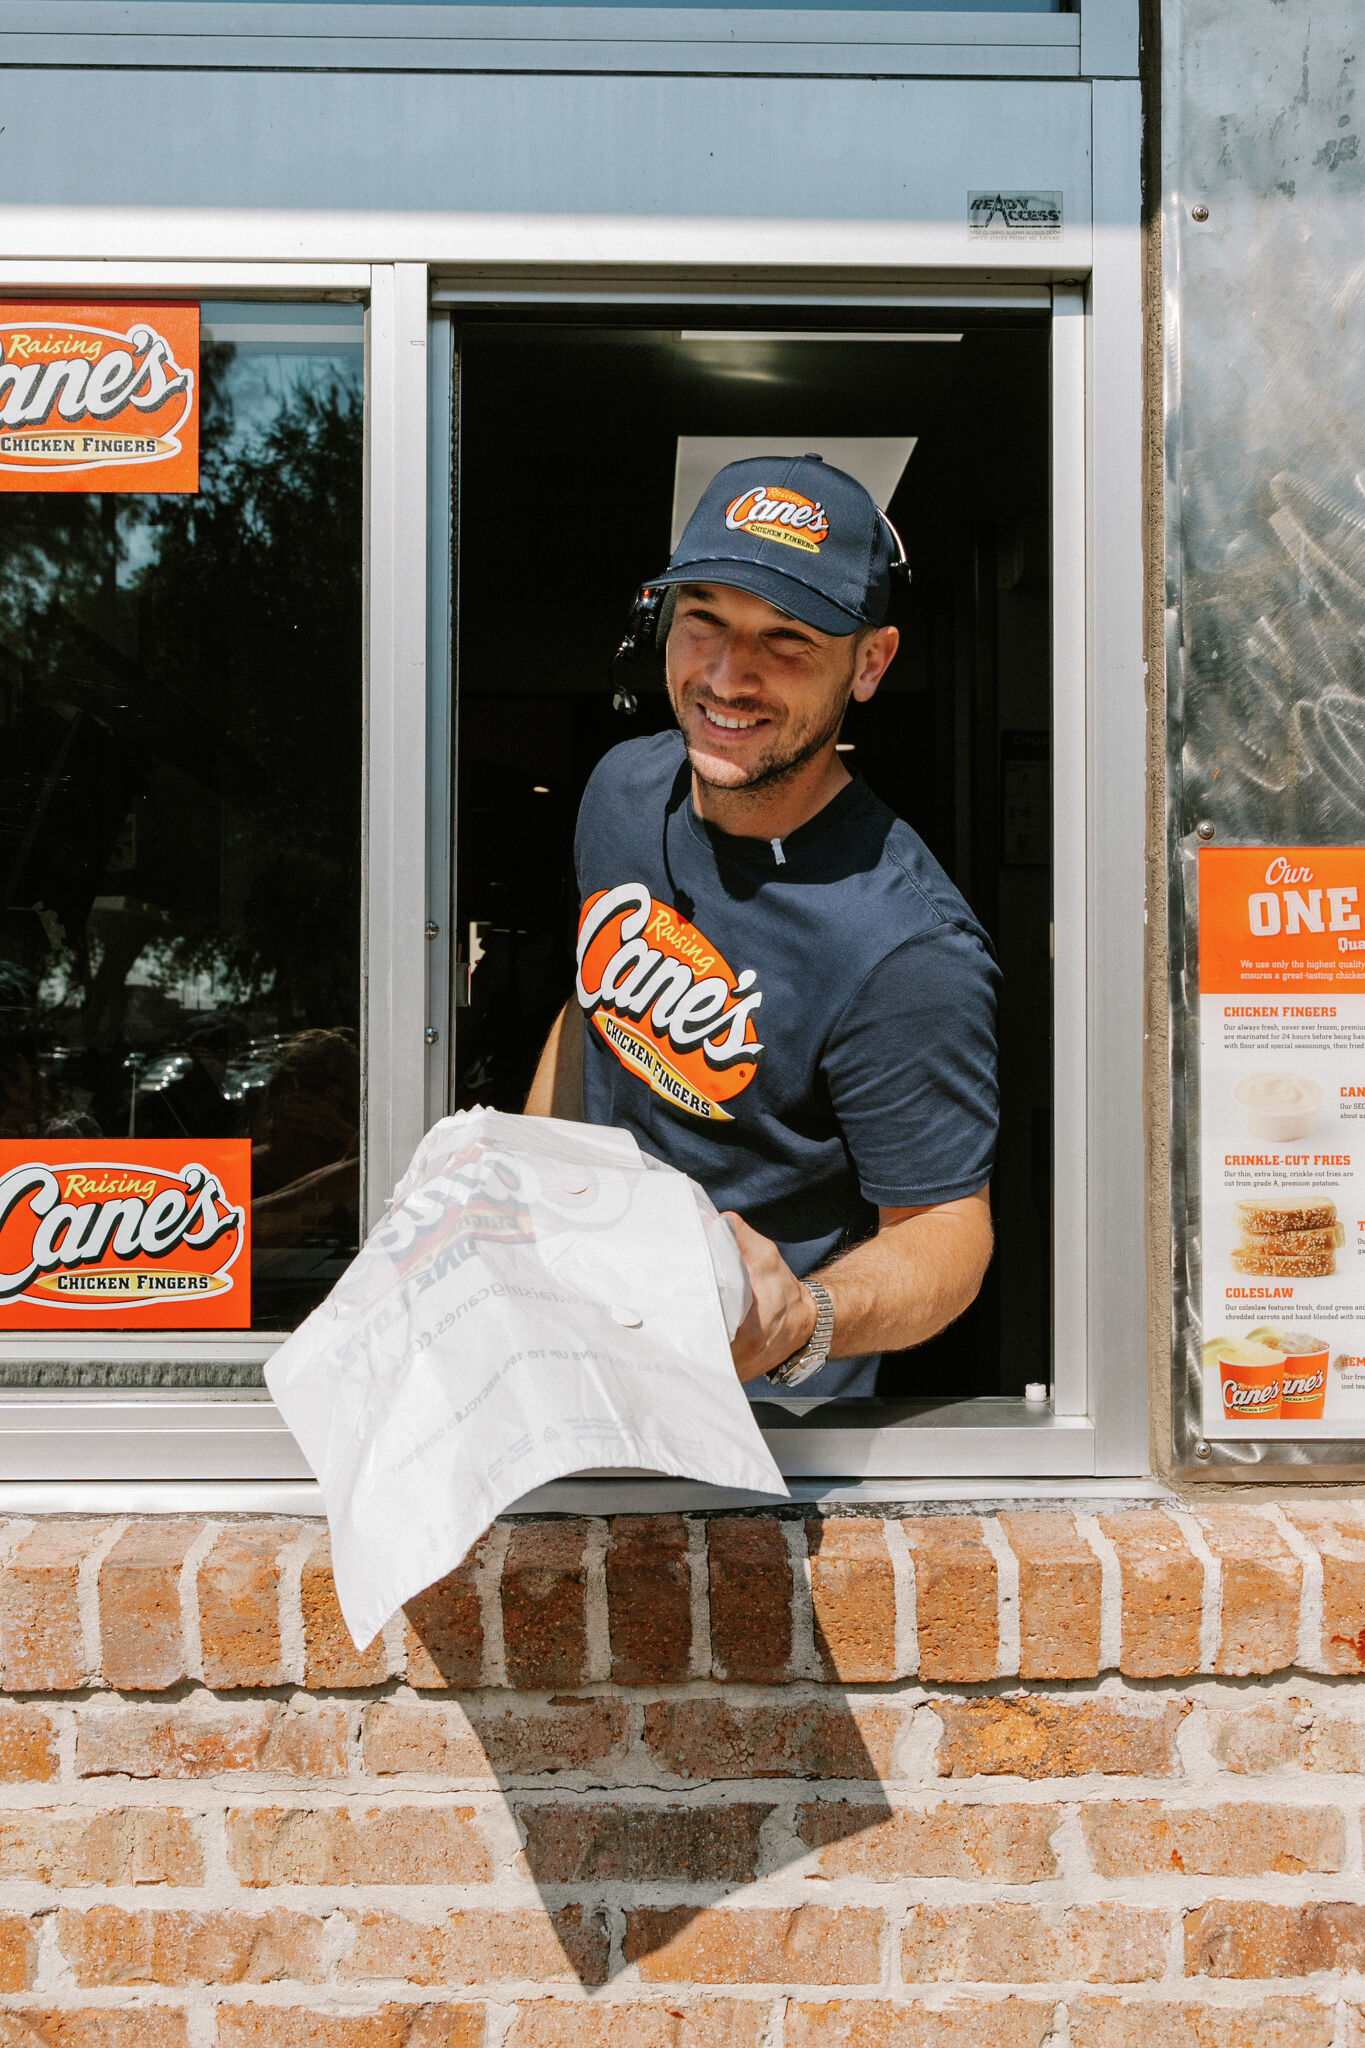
(557, 1089)
(911, 1280)
(917, 1275)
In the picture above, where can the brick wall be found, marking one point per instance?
(665, 1782)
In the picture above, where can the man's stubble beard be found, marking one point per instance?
(769, 773)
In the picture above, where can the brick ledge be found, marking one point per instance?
(647, 1600)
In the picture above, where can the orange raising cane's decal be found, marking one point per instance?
(99, 397)
(148, 1234)
(670, 1008)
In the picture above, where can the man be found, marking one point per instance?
(784, 994)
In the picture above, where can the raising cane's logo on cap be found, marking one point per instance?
(660, 995)
(772, 512)
(99, 397)
(153, 1233)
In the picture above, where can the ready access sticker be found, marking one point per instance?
(147, 1234)
(1282, 1111)
(99, 397)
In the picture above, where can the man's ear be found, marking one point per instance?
(875, 655)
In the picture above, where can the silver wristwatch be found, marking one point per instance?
(802, 1364)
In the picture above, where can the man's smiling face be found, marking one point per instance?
(757, 693)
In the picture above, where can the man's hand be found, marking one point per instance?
(783, 1315)
(917, 1275)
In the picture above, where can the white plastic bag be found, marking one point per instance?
(541, 1298)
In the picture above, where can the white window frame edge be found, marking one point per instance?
(884, 42)
(1097, 378)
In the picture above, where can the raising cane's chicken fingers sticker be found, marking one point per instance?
(151, 1234)
(99, 397)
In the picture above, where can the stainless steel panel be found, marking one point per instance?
(1265, 515)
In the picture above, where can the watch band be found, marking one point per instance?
(802, 1364)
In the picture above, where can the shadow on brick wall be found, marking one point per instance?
(697, 1769)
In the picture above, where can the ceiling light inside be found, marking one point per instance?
(800, 334)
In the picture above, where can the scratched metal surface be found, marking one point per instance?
(1265, 511)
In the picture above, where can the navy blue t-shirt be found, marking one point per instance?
(807, 1027)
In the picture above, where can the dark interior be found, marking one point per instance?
(566, 456)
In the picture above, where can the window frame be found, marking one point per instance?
(148, 1434)
(1096, 38)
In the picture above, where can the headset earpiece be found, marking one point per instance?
(642, 626)
(646, 629)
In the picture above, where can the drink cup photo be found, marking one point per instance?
(1305, 1356)
(1251, 1376)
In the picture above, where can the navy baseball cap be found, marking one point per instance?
(796, 531)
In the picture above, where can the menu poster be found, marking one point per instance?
(1282, 1097)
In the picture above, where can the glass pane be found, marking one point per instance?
(180, 730)
(957, 740)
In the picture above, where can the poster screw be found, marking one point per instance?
(1199, 213)
(432, 1035)
(1203, 1451)
(1206, 830)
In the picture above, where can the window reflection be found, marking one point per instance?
(180, 709)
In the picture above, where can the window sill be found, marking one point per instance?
(133, 1434)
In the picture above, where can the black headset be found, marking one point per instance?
(646, 629)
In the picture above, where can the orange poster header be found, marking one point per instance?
(1286, 918)
(125, 1233)
(99, 397)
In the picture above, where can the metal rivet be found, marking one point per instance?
(1206, 830)
(1199, 213)
(432, 1035)
(433, 931)
(1203, 1451)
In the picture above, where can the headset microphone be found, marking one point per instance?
(899, 569)
(640, 638)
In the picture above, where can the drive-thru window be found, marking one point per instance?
(293, 753)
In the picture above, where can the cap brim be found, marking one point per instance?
(787, 592)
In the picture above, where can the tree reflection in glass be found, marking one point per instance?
(180, 780)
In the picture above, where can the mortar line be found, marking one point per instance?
(804, 1660)
(906, 1637)
(1006, 1596)
(1211, 1592)
(88, 1600)
(1111, 1590)
(1308, 1650)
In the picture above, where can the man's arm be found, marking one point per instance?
(557, 1089)
(917, 1275)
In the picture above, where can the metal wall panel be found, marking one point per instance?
(391, 167)
(1265, 322)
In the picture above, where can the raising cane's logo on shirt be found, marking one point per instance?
(671, 1009)
(151, 1233)
(775, 513)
